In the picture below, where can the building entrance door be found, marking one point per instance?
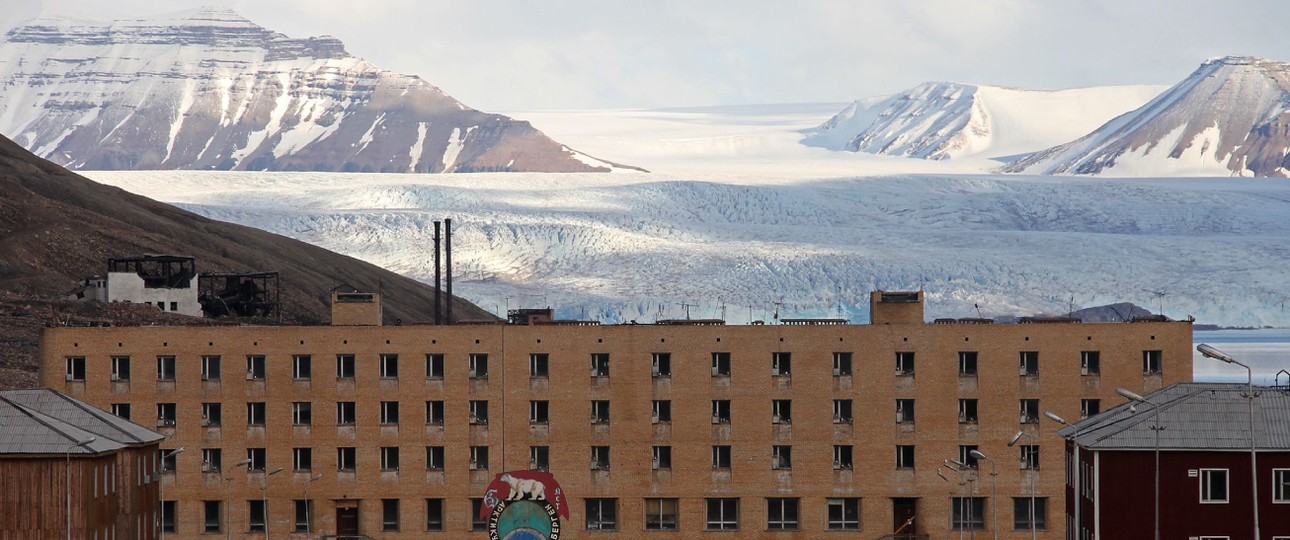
(903, 511)
(346, 518)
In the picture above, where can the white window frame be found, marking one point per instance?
(212, 364)
(723, 522)
(843, 524)
(1283, 484)
(1206, 481)
(302, 367)
(389, 366)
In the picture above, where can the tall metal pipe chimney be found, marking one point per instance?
(438, 314)
(447, 253)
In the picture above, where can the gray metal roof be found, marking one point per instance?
(1195, 416)
(42, 421)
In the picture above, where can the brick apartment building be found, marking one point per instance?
(774, 431)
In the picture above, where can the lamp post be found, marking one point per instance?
(67, 471)
(161, 488)
(1157, 428)
(228, 532)
(1078, 471)
(264, 498)
(309, 506)
(1034, 532)
(994, 491)
(1221, 356)
(950, 521)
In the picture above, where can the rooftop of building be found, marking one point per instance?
(1195, 416)
(44, 421)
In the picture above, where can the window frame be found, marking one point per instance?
(434, 508)
(216, 525)
(1028, 363)
(389, 515)
(1090, 363)
(843, 457)
(843, 504)
(906, 456)
(601, 514)
(435, 458)
(346, 367)
(973, 507)
(434, 413)
(212, 367)
(121, 369)
(661, 365)
(1281, 486)
(302, 459)
(346, 413)
(302, 413)
(723, 506)
(783, 514)
(905, 363)
(389, 459)
(477, 365)
(539, 365)
(302, 367)
(721, 364)
(600, 364)
(434, 366)
(389, 415)
(388, 367)
(256, 367)
(842, 363)
(346, 459)
(1205, 481)
(781, 364)
(1021, 515)
(662, 514)
(1153, 362)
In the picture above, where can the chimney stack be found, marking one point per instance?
(438, 314)
(447, 252)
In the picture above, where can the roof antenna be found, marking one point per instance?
(978, 310)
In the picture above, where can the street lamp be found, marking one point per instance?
(1078, 473)
(228, 532)
(309, 506)
(950, 521)
(1034, 533)
(67, 471)
(1221, 356)
(161, 488)
(994, 491)
(1157, 428)
(264, 498)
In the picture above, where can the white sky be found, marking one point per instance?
(516, 55)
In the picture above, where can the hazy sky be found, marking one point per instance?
(515, 55)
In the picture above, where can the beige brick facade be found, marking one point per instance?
(630, 388)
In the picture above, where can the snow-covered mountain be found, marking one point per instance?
(208, 89)
(942, 120)
(1231, 117)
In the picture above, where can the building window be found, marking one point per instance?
(967, 363)
(213, 521)
(841, 411)
(1213, 486)
(76, 368)
(389, 458)
(165, 368)
(720, 364)
(121, 369)
(258, 458)
(539, 365)
(781, 364)
(389, 413)
(661, 411)
(781, 411)
(255, 414)
(346, 458)
(781, 457)
(1089, 407)
(904, 363)
(841, 364)
(478, 412)
(1281, 485)
(1151, 362)
(434, 370)
(1029, 363)
(600, 364)
(1090, 363)
(255, 367)
(967, 411)
(661, 364)
(720, 411)
(1030, 457)
(212, 460)
(166, 416)
(302, 413)
(721, 457)
(602, 514)
(1025, 517)
(1029, 411)
(344, 366)
(477, 523)
(434, 413)
(660, 514)
(389, 368)
(967, 513)
(479, 458)
(843, 455)
(169, 460)
(540, 458)
(478, 366)
(434, 514)
(599, 412)
(302, 367)
(723, 514)
(302, 459)
(168, 516)
(539, 412)
(211, 368)
(304, 515)
(122, 410)
(781, 514)
(844, 514)
(256, 515)
(212, 414)
(434, 458)
(905, 456)
(905, 411)
(661, 458)
(389, 514)
(346, 413)
(600, 458)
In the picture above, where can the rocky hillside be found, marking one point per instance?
(208, 89)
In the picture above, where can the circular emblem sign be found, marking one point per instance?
(524, 505)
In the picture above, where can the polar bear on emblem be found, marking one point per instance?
(531, 489)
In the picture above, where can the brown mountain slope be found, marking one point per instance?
(57, 227)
